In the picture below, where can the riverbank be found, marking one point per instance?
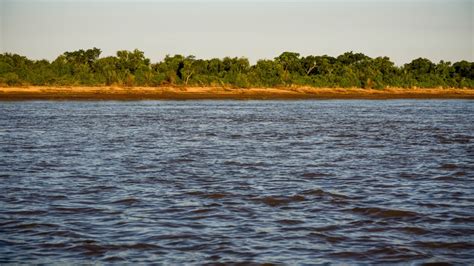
(197, 93)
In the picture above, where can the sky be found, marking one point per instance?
(402, 30)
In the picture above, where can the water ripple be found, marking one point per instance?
(236, 182)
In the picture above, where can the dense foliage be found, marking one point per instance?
(132, 68)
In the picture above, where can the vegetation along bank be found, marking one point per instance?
(132, 68)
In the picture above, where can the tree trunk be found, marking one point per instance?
(188, 77)
(311, 68)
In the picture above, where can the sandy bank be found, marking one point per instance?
(193, 93)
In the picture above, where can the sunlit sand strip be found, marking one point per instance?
(191, 93)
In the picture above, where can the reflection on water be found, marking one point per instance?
(234, 181)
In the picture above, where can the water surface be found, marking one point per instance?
(235, 181)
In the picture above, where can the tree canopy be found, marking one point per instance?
(132, 68)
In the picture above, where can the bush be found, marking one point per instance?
(10, 79)
(131, 68)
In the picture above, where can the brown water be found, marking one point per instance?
(235, 181)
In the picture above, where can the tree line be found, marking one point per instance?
(132, 68)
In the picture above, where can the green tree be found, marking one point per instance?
(349, 58)
(132, 68)
(267, 73)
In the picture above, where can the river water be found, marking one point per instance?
(288, 182)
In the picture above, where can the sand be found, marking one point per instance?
(195, 93)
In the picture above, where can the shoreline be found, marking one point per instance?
(222, 93)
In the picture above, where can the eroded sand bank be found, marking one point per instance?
(193, 93)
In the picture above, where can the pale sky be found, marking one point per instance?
(403, 30)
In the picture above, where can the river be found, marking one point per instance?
(192, 182)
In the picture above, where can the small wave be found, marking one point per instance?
(460, 173)
(314, 175)
(180, 236)
(127, 201)
(115, 259)
(95, 249)
(90, 249)
(469, 219)
(56, 197)
(27, 212)
(278, 201)
(54, 245)
(349, 255)
(4, 223)
(289, 222)
(385, 213)
(60, 233)
(331, 238)
(447, 178)
(33, 226)
(326, 228)
(448, 166)
(436, 263)
(97, 189)
(321, 193)
(202, 210)
(407, 175)
(444, 245)
(180, 160)
(214, 195)
(457, 139)
(236, 136)
(396, 253)
(344, 135)
(140, 246)
(414, 230)
(71, 210)
(244, 164)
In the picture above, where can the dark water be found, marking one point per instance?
(234, 181)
